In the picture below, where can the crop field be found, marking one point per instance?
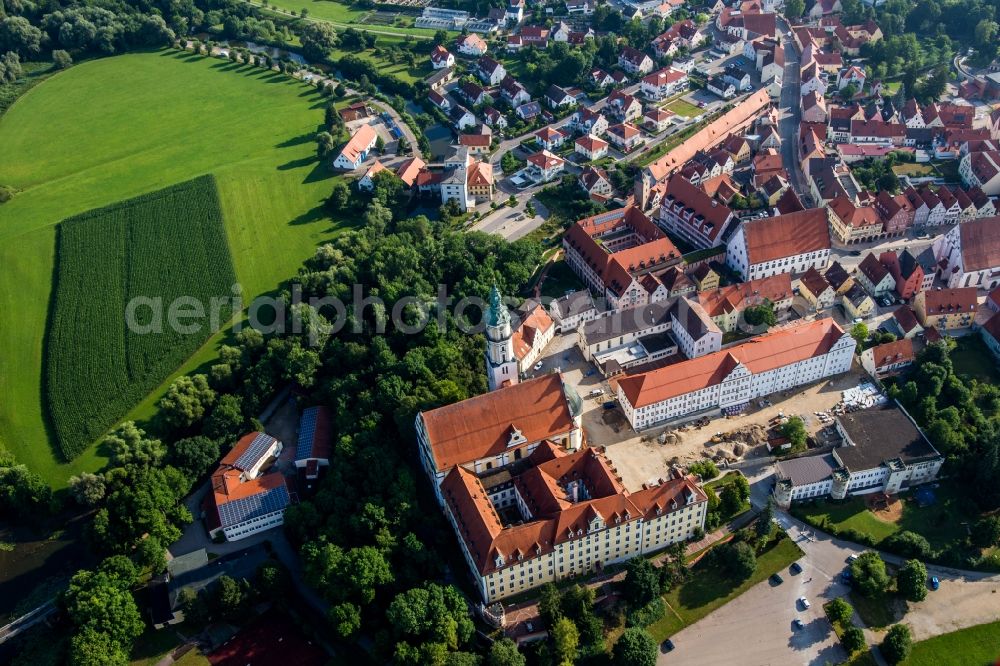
(158, 247)
(115, 128)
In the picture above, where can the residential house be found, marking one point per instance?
(591, 147)
(946, 309)
(461, 118)
(441, 58)
(705, 278)
(663, 83)
(408, 170)
(596, 183)
(811, 81)
(478, 144)
(873, 275)
(623, 106)
(968, 255)
(895, 212)
(600, 78)
(635, 62)
(625, 136)
(721, 86)
(558, 98)
(355, 151)
(494, 118)
(783, 244)
(590, 122)
(981, 170)
(439, 100)
(838, 278)
(813, 108)
(657, 120)
(472, 45)
(726, 305)
(888, 359)
(474, 94)
(903, 323)
(857, 303)
(550, 138)
(739, 147)
(907, 273)
(513, 92)
(367, 181)
(583, 7)
(814, 287)
(851, 76)
(737, 76)
(690, 213)
(543, 166)
(529, 111)
(851, 223)
(534, 35)
(560, 32)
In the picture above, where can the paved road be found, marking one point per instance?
(759, 622)
(788, 125)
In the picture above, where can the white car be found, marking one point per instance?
(852, 557)
(596, 392)
(538, 366)
(804, 602)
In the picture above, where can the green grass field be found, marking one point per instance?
(940, 523)
(973, 359)
(973, 646)
(684, 108)
(162, 245)
(709, 589)
(342, 15)
(115, 128)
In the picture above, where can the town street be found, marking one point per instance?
(788, 125)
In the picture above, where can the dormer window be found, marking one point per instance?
(498, 560)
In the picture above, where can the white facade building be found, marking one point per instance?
(728, 379)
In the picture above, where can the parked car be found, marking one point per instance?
(852, 557)
(538, 366)
(796, 568)
(667, 645)
(596, 392)
(804, 602)
(778, 580)
(610, 404)
(935, 583)
(798, 623)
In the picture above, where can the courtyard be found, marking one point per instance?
(640, 457)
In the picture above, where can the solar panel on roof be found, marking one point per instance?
(247, 508)
(255, 451)
(307, 431)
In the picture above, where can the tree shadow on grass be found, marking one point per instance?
(312, 215)
(226, 65)
(321, 171)
(296, 164)
(307, 137)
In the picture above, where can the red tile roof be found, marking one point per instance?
(767, 352)
(481, 426)
(898, 351)
(980, 240)
(788, 235)
(740, 296)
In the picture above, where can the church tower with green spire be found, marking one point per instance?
(501, 365)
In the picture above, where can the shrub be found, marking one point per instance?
(897, 644)
(853, 640)
(908, 544)
(646, 615)
(706, 469)
(911, 580)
